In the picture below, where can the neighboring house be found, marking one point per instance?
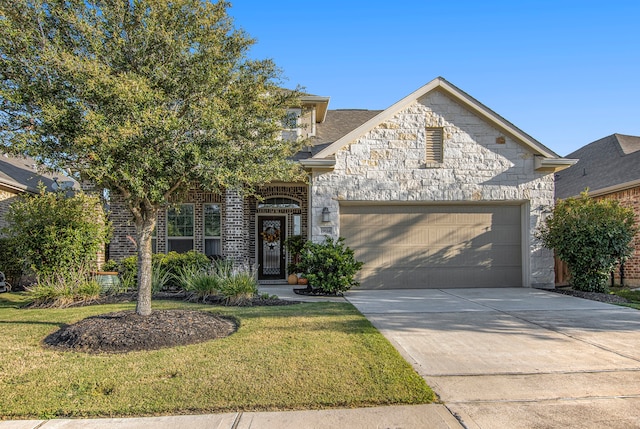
(19, 175)
(610, 168)
(435, 191)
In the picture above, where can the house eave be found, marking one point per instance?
(552, 165)
(16, 187)
(309, 163)
(321, 103)
(615, 188)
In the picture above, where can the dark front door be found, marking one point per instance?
(271, 256)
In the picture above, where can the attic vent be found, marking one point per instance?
(434, 145)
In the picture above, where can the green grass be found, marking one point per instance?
(633, 296)
(306, 356)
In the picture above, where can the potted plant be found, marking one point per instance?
(294, 245)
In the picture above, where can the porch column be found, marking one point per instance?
(235, 237)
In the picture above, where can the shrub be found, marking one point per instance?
(198, 282)
(10, 263)
(64, 289)
(330, 266)
(127, 270)
(294, 245)
(239, 286)
(174, 262)
(167, 269)
(54, 233)
(591, 236)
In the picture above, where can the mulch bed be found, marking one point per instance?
(593, 296)
(126, 331)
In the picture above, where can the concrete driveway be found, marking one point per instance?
(516, 358)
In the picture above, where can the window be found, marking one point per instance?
(291, 120)
(180, 228)
(434, 145)
(212, 244)
(279, 203)
(297, 224)
(154, 240)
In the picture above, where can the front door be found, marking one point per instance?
(271, 255)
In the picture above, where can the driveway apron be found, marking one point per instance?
(516, 357)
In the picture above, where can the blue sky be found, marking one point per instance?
(565, 72)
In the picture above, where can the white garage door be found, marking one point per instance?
(424, 246)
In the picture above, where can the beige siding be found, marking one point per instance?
(428, 246)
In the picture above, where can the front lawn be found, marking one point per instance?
(632, 296)
(305, 356)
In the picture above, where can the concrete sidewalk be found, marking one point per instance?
(433, 416)
(516, 358)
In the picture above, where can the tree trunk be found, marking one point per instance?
(144, 231)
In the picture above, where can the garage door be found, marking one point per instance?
(422, 246)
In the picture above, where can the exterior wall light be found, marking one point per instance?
(325, 214)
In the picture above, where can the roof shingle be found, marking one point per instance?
(610, 161)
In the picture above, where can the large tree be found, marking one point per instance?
(591, 236)
(146, 98)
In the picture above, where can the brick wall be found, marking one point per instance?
(630, 198)
(124, 230)
(238, 217)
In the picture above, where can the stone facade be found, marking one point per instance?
(480, 164)
(6, 198)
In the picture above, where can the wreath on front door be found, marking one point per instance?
(271, 234)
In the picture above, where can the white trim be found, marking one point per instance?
(552, 165)
(317, 163)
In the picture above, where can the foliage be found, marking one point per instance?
(235, 285)
(62, 289)
(10, 263)
(294, 245)
(167, 269)
(203, 283)
(144, 98)
(174, 262)
(127, 270)
(591, 236)
(54, 233)
(160, 276)
(239, 286)
(330, 266)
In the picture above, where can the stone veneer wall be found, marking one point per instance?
(388, 164)
(630, 198)
(6, 198)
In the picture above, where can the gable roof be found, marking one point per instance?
(606, 165)
(22, 174)
(463, 98)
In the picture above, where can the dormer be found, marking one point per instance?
(301, 121)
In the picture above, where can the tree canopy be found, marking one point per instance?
(146, 98)
(591, 236)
